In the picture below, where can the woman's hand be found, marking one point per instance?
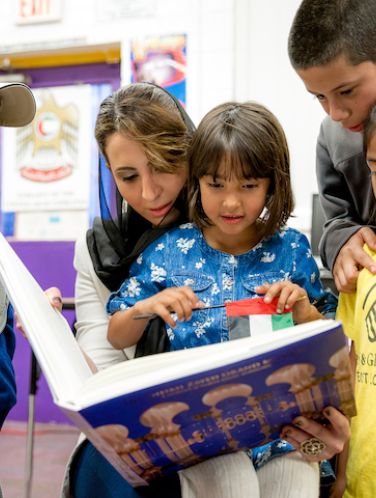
(54, 297)
(292, 296)
(334, 434)
(177, 300)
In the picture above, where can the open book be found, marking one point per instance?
(154, 415)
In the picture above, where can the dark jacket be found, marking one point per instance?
(344, 186)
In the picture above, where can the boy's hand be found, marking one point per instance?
(290, 295)
(352, 258)
(179, 300)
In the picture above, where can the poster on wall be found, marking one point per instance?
(161, 60)
(46, 165)
(50, 225)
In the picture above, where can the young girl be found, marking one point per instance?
(237, 247)
(357, 312)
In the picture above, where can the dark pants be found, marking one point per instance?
(92, 476)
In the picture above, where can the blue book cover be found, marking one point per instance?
(245, 403)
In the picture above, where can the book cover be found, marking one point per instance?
(238, 406)
(157, 414)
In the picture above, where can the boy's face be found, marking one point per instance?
(346, 92)
(371, 161)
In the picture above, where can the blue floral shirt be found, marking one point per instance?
(181, 257)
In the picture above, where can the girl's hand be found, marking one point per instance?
(290, 295)
(179, 300)
(334, 434)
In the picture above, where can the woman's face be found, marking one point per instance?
(149, 192)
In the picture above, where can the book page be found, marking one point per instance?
(131, 376)
(48, 332)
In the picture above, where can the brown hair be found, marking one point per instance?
(146, 113)
(250, 141)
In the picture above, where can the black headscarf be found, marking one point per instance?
(115, 242)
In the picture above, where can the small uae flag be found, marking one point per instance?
(253, 317)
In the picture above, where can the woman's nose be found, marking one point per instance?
(150, 188)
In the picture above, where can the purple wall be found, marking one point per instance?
(51, 263)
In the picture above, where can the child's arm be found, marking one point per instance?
(293, 296)
(339, 486)
(124, 331)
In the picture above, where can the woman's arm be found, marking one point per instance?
(92, 320)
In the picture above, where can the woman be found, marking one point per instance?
(149, 170)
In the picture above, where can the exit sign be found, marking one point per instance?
(35, 11)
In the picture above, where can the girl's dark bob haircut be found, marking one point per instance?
(247, 140)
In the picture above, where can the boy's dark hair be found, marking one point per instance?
(322, 30)
(249, 141)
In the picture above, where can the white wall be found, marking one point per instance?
(209, 25)
(271, 80)
(237, 49)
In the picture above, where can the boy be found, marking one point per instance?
(332, 47)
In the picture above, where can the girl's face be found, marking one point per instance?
(149, 192)
(371, 161)
(233, 205)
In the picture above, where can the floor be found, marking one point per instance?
(53, 444)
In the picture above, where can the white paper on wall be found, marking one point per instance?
(46, 165)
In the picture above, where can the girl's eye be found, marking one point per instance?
(250, 186)
(320, 97)
(214, 185)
